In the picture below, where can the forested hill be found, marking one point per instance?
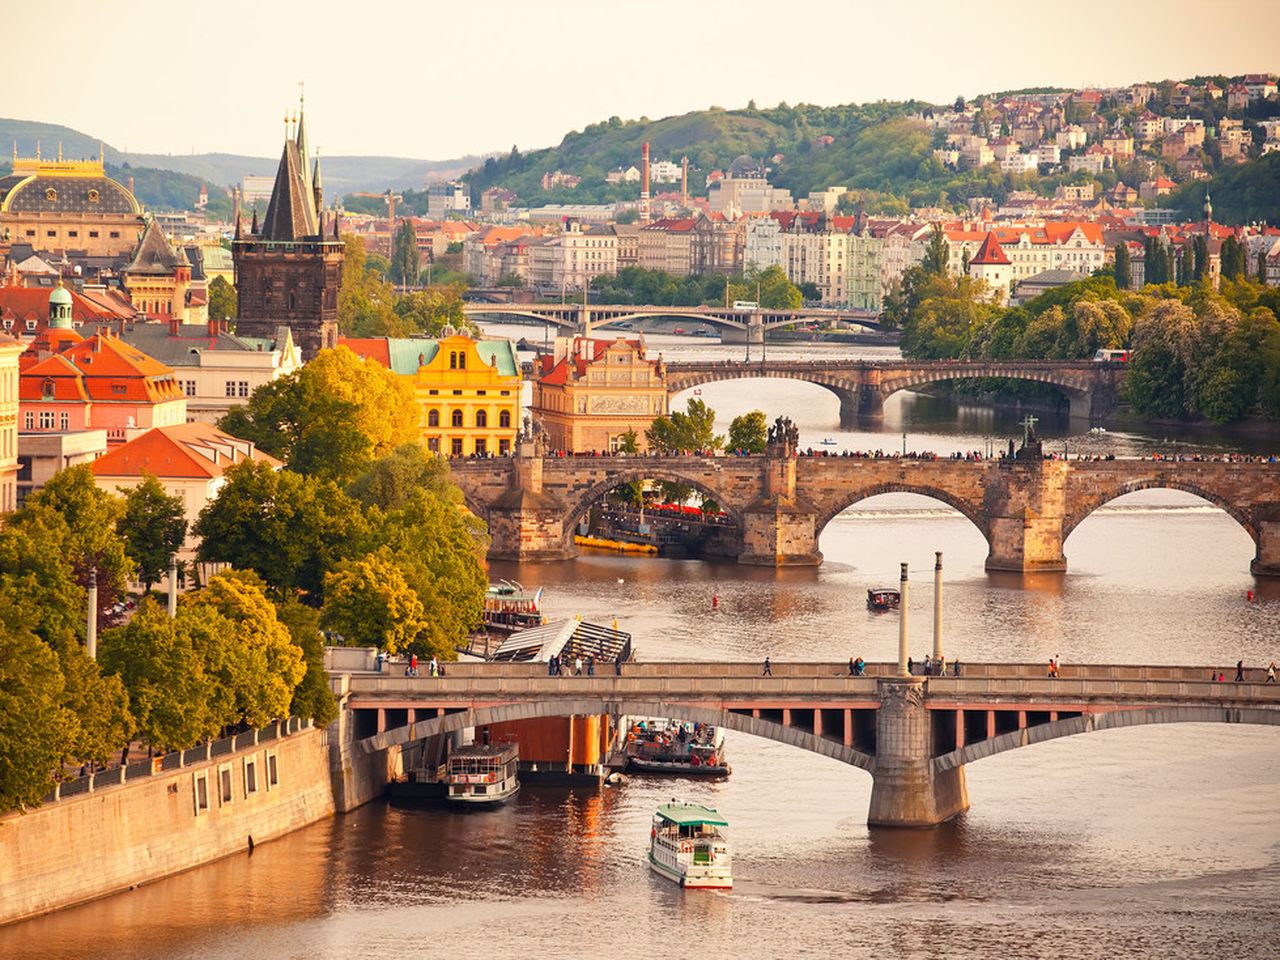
(1240, 194)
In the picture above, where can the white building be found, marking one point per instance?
(452, 196)
(664, 171)
(570, 260)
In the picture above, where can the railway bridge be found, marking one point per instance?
(780, 502)
(1092, 388)
(914, 735)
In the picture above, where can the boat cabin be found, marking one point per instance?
(483, 773)
(883, 599)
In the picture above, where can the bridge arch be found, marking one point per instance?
(1158, 482)
(561, 707)
(1093, 722)
(1079, 396)
(837, 505)
(584, 499)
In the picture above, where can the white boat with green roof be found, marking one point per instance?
(687, 845)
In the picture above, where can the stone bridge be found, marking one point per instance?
(1092, 388)
(914, 735)
(1024, 509)
(735, 326)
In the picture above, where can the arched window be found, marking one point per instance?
(456, 418)
(47, 389)
(453, 361)
(433, 418)
(482, 418)
(462, 360)
(504, 419)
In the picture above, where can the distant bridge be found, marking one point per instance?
(736, 326)
(914, 735)
(1092, 388)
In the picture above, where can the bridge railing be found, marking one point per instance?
(174, 760)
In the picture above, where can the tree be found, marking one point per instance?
(38, 588)
(693, 429)
(154, 527)
(312, 698)
(369, 603)
(288, 528)
(405, 259)
(1124, 269)
(264, 665)
(430, 311)
(222, 300)
(169, 692)
(98, 706)
(749, 432)
(937, 253)
(35, 726)
(330, 419)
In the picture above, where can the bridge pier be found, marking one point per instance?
(780, 530)
(1267, 526)
(1080, 406)
(525, 523)
(905, 789)
(1025, 503)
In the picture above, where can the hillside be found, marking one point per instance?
(342, 174)
(1240, 194)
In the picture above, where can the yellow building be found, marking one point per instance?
(158, 279)
(10, 351)
(592, 392)
(469, 390)
(61, 205)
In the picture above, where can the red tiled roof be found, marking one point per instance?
(368, 348)
(188, 450)
(32, 303)
(990, 252)
(104, 369)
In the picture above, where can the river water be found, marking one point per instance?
(1150, 842)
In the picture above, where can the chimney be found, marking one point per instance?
(173, 326)
(644, 183)
(215, 326)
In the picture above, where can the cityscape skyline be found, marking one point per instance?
(893, 58)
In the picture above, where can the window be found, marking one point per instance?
(30, 420)
(482, 419)
(64, 421)
(250, 775)
(433, 444)
(453, 360)
(51, 233)
(455, 418)
(115, 234)
(433, 393)
(433, 418)
(504, 447)
(457, 393)
(200, 792)
(273, 773)
(47, 389)
(224, 785)
(31, 233)
(93, 234)
(73, 233)
(230, 388)
(506, 393)
(504, 419)
(189, 387)
(462, 361)
(482, 448)
(481, 393)
(242, 388)
(47, 419)
(455, 446)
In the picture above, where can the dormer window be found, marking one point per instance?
(48, 389)
(93, 196)
(51, 194)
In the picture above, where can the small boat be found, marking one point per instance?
(827, 442)
(687, 845)
(669, 746)
(883, 599)
(483, 774)
(508, 607)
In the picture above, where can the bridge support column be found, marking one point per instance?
(1080, 406)
(1025, 504)
(780, 530)
(1267, 561)
(905, 791)
(525, 523)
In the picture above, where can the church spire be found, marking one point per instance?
(1208, 208)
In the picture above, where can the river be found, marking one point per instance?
(1160, 842)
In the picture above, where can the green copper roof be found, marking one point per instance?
(60, 294)
(688, 814)
(407, 354)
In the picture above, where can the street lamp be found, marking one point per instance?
(904, 443)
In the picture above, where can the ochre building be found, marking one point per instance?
(591, 392)
(61, 205)
(468, 390)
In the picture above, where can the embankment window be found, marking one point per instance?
(250, 775)
(273, 772)
(200, 792)
(224, 785)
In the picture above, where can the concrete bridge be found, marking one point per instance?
(914, 735)
(735, 326)
(1092, 388)
(1025, 509)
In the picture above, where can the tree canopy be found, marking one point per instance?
(749, 433)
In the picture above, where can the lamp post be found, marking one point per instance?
(937, 605)
(904, 443)
(91, 626)
(902, 624)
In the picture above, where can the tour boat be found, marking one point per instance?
(883, 599)
(687, 846)
(687, 749)
(827, 442)
(508, 607)
(483, 774)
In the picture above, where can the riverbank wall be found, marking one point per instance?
(164, 820)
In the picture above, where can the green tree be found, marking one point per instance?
(169, 692)
(222, 300)
(749, 432)
(264, 666)
(312, 698)
(1124, 268)
(98, 705)
(405, 258)
(692, 429)
(38, 588)
(288, 528)
(35, 726)
(937, 253)
(369, 603)
(154, 527)
(430, 311)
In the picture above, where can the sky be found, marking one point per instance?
(435, 80)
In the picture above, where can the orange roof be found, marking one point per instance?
(32, 303)
(105, 368)
(990, 252)
(369, 348)
(556, 373)
(187, 450)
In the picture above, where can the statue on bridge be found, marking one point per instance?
(784, 438)
(1032, 448)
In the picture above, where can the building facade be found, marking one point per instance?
(591, 393)
(10, 351)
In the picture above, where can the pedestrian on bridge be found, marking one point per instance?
(1239, 671)
(768, 668)
(1271, 672)
(617, 665)
(955, 668)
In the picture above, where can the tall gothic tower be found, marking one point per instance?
(288, 271)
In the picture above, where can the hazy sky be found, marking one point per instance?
(438, 80)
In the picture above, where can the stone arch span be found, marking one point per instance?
(679, 382)
(582, 500)
(1093, 722)
(564, 707)
(1079, 394)
(971, 511)
(1159, 482)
